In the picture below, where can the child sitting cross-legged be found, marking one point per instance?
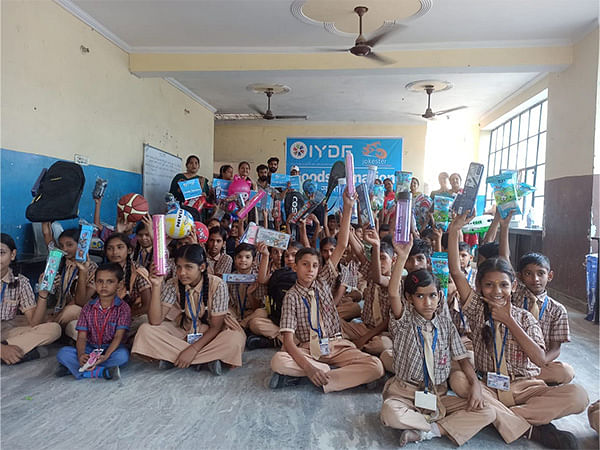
(101, 328)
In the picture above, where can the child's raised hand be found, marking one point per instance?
(349, 200)
(314, 218)
(371, 237)
(403, 250)
(506, 221)
(262, 248)
(460, 221)
(147, 221)
(155, 279)
(83, 266)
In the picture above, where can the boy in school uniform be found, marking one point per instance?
(425, 341)
(466, 259)
(371, 334)
(534, 273)
(22, 336)
(246, 301)
(309, 315)
(101, 328)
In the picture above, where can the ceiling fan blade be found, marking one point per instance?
(292, 117)
(446, 111)
(384, 34)
(329, 49)
(380, 59)
(256, 108)
(236, 116)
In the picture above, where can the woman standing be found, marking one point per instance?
(244, 173)
(191, 164)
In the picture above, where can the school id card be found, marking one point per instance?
(324, 347)
(498, 381)
(193, 337)
(425, 400)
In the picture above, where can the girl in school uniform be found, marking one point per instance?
(187, 318)
(21, 336)
(135, 289)
(74, 283)
(509, 348)
(218, 261)
(142, 254)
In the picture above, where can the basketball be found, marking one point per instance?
(178, 223)
(132, 207)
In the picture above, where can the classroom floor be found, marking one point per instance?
(185, 409)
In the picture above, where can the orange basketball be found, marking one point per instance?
(132, 207)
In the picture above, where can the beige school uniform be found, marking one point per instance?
(353, 367)
(15, 330)
(594, 415)
(167, 340)
(554, 322)
(529, 397)
(251, 299)
(375, 309)
(352, 279)
(399, 410)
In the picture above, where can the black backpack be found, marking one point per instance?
(281, 280)
(58, 194)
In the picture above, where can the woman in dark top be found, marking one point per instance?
(191, 164)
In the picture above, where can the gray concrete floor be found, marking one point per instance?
(184, 409)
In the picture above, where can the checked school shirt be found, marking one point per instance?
(369, 298)
(93, 316)
(18, 295)
(295, 315)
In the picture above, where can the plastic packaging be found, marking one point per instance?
(251, 204)
(94, 355)
(439, 267)
(52, 264)
(505, 193)
(350, 173)
(403, 180)
(85, 239)
(159, 244)
(441, 211)
(378, 198)
(403, 217)
(99, 188)
(366, 213)
(479, 224)
(371, 176)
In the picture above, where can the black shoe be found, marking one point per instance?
(253, 342)
(551, 437)
(112, 373)
(165, 365)
(34, 354)
(62, 371)
(278, 381)
(215, 368)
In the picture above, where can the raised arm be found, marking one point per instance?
(357, 248)
(47, 232)
(303, 236)
(375, 273)
(462, 285)
(263, 268)
(82, 291)
(155, 313)
(97, 204)
(490, 235)
(402, 252)
(504, 247)
(344, 233)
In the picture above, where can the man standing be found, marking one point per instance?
(273, 163)
(263, 176)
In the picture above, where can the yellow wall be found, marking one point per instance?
(57, 101)
(256, 142)
(572, 113)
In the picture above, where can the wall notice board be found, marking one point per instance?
(159, 169)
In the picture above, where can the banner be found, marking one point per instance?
(316, 155)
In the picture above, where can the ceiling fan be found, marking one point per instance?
(429, 113)
(364, 47)
(268, 115)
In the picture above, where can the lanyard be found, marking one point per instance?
(318, 329)
(525, 304)
(469, 275)
(107, 317)
(498, 361)
(242, 305)
(3, 289)
(433, 345)
(462, 318)
(198, 307)
(62, 281)
(143, 260)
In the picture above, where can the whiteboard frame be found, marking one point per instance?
(155, 208)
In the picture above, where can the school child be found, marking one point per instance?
(135, 289)
(419, 257)
(186, 320)
(371, 334)
(425, 341)
(102, 326)
(352, 283)
(326, 247)
(534, 274)
(466, 259)
(219, 262)
(21, 336)
(509, 348)
(246, 301)
(142, 254)
(232, 239)
(74, 283)
(309, 315)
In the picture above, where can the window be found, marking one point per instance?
(520, 144)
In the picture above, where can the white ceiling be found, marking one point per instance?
(258, 26)
(225, 25)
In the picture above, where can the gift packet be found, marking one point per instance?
(505, 193)
(441, 211)
(439, 267)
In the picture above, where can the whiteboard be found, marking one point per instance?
(159, 169)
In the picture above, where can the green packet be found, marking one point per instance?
(439, 267)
